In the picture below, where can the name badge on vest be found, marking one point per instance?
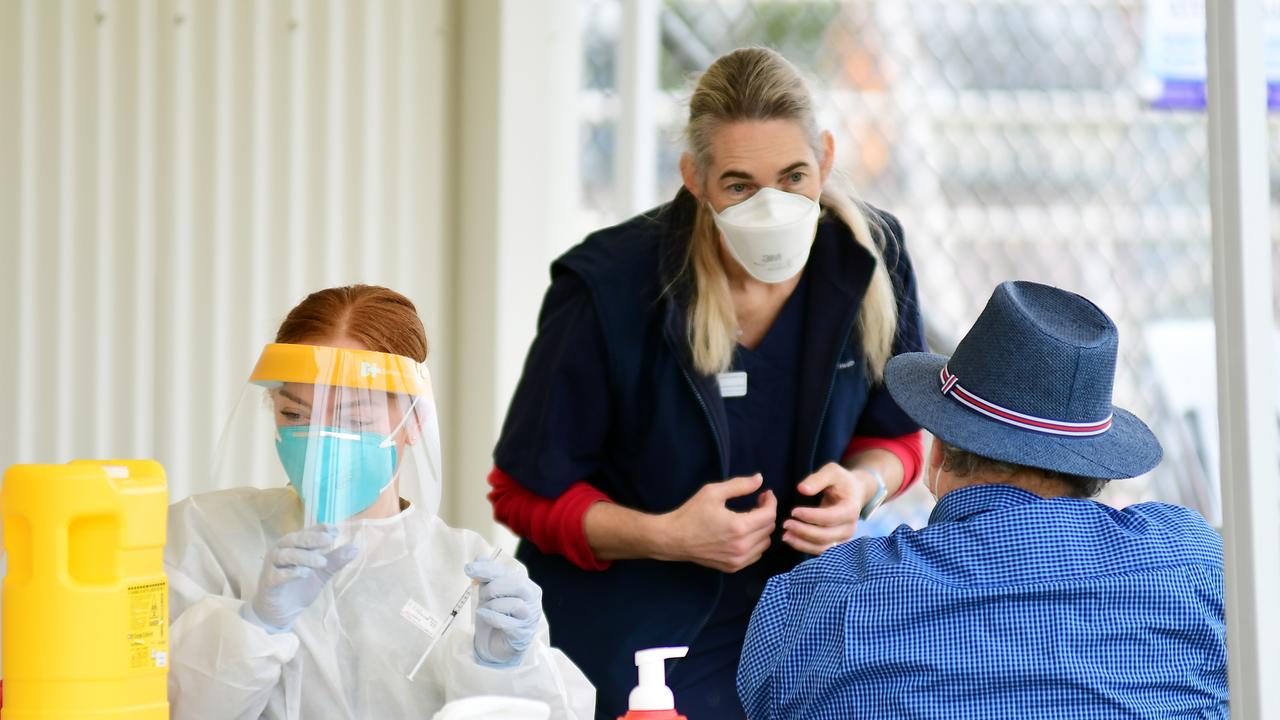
(732, 384)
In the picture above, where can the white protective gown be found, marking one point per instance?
(349, 653)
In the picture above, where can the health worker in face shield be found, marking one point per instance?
(703, 405)
(315, 582)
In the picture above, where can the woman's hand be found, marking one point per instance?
(510, 606)
(815, 529)
(293, 575)
(705, 531)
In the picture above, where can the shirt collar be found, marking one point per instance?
(966, 502)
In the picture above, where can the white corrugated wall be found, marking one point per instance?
(184, 172)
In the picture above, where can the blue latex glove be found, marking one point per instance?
(508, 615)
(293, 574)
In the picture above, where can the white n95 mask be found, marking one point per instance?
(770, 233)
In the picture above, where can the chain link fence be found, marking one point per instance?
(1014, 139)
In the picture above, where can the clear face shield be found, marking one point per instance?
(352, 432)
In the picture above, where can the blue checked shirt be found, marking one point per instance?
(1006, 605)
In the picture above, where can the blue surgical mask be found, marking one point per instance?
(338, 473)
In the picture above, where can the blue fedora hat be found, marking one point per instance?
(1030, 384)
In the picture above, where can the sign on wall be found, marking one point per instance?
(1174, 53)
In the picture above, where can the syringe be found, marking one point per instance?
(448, 623)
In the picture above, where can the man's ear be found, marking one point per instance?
(935, 455)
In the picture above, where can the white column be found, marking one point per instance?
(636, 158)
(516, 166)
(1245, 322)
(15, 227)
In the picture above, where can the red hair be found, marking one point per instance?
(380, 318)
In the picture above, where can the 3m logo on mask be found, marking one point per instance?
(368, 369)
(770, 233)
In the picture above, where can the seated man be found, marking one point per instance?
(1022, 597)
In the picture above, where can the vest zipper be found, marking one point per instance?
(831, 386)
(710, 422)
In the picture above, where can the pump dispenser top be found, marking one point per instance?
(652, 699)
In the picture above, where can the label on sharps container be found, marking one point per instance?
(148, 631)
(420, 617)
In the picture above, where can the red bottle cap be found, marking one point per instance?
(652, 715)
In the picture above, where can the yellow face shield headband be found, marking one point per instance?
(341, 367)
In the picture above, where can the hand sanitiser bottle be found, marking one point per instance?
(652, 699)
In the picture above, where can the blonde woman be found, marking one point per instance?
(702, 407)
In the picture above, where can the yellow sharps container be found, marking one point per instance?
(86, 617)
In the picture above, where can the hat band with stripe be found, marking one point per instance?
(952, 388)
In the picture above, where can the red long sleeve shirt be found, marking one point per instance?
(556, 526)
